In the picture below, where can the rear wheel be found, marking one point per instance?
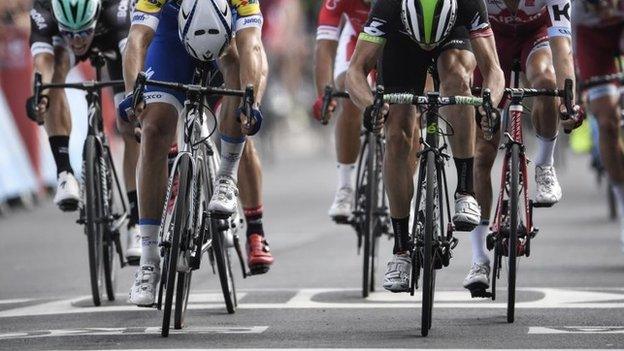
(369, 221)
(512, 240)
(429, 274)
(180, 228)
(94, 225)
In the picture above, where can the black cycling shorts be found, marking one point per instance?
(404, 65)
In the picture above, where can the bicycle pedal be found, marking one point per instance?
(133, 261)
(342, 220)
(219, 215)
(464, 227)
(69, 205)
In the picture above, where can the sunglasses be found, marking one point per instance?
(85, 33)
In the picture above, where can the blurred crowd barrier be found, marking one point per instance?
(27, 169)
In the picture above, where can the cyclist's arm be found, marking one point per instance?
(324, 64)
(43, 28)
(484, 48)
(145, 19)
(559, 34)
(139, 38)
(327, 36)
(362, 62)
(252, 58)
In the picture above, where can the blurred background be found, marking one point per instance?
(28, 172)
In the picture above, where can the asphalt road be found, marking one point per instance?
(571, 289)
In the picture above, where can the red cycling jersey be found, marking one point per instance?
(530, 15)
(331, 14)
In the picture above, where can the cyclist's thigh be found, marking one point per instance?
(167, 60)
(595, 55)
(454, 55)
(536, 56)
(403, 67)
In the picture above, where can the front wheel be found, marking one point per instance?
(174, 238)
(430, 236)
(224, 268)
(512, 240)
(93, 208)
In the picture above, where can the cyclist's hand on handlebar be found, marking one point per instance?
(375, 123)
(37, 111)
(490, 126)
(573, 120)
(317, 108)
(250, 127)
(127, 112)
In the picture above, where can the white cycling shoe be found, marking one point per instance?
(225, 198)
(67, 195)
(342, 208)
(397, 274)
(467, 213)
(133, 248)
(143, 291)
(478, 278)
(547, 189)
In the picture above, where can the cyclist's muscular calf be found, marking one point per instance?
(348, 127)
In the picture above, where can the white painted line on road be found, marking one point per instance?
(578, 330)
(351, 349)
(539, 298)
(11, 301)
(130, 331)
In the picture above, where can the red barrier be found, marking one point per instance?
(15, 79)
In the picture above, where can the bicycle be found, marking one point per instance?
(512, 228)
(187, 229)
(104, 208)
(370, 215)
(430, 245)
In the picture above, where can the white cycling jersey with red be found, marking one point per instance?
(331, 13)
(530, 14)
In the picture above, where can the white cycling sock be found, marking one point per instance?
(345, 175)
(149, 241)
(545, 151)
(477, 240)
(231, 151)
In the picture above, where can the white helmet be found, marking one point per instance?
(205, 27)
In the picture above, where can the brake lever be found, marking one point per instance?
(377, 104)
(568, 96)
(488, 133)
(139, 89)
(37, 88)
(326, 100)
(248, 101)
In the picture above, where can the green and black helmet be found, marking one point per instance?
(76, 15)
(429, 22)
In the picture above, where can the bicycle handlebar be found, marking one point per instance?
(432, 99)
(327, 97)
(88, 86)
(142, 81)
(599, 80)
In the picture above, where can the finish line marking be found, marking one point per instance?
(578, 330)
(130, 331)
(534, 298)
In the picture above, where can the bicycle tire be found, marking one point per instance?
(369, 222)
(183, 288)
(612, 204)
(380, 204)
(93, 215)
(109, 269)
(180, 225)
(512, 240)
(224, 270)
(428, 283)
(108, 247)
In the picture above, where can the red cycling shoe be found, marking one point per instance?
(259, 258)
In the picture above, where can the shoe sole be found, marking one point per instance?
(544, 204)
(68, 205)
(462, 226)
(220, 215)
(259, 269)
(477, 287)
(133, 260)
(341, 219)
(396, 290)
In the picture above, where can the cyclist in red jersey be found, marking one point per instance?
(538, 33)
(333, 53)
(599, 38)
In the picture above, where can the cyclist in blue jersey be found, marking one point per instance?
(154, 46)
